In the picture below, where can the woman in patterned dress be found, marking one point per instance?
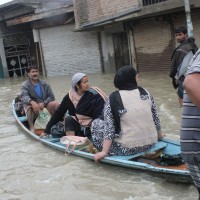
(131, 123)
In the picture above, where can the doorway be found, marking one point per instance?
(120, 41)
(18, 59)
(17, 53)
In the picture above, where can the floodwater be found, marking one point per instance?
(30, 170)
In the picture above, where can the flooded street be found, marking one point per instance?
(30, 170)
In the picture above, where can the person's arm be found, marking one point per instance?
(106, 147)
(49, 94)
(58, 115)
(185, 63)
(25, 94)
(109, 133)
(156, 118)
(175, 63)
(191, 85)
(192, 80)
(36, 107)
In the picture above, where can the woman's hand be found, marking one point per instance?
(99, 156)
(106, 148)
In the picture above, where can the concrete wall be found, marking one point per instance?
(66, 52)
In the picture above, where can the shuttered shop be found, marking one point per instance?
(67, 52)
(153, 44)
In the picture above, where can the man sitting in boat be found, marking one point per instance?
(131, 123)
(36, 95)
(82, 105)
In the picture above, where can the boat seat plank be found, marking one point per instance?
(159, 145)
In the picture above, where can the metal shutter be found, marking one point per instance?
(153, 44)
(67, 52)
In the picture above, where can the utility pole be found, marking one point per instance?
(188, 18)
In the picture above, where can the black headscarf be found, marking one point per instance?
(125, 78)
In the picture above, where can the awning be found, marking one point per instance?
(39, 16)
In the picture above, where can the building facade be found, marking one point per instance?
(93, 36)
(137, 32)
(45, 36)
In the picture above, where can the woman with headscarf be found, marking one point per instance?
(131, 123)
(79, 107)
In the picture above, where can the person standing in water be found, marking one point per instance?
(180, 59)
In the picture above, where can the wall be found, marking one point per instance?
(153, 44)
(87, 11)
(66, 52)
(52, 4)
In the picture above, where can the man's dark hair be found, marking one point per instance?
(181, 29)
(29, 68)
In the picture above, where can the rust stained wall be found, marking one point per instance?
(87, 11)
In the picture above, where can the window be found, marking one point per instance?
(150, 2)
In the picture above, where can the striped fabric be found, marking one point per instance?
(190, 129)
(195, 173)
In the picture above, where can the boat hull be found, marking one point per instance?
(169, 173)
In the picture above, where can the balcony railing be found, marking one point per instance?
(150, 2)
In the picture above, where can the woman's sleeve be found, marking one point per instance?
(109, 129)
(58, 115)
(155, 114)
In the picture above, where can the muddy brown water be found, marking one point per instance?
(30, 170)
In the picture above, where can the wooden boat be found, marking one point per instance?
(138, 162)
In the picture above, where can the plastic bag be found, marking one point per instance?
(43, 118)
(79, 143)
(73, 141)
